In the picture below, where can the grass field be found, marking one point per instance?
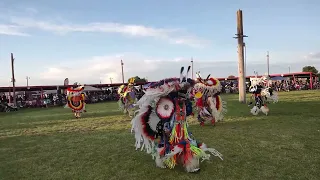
(51, 144)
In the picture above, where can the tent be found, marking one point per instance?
(50, 91)
(90, 88)
(278, 78)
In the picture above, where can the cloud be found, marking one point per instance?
(11, 30)
(313, 55)
(92, 70)
(173, 36)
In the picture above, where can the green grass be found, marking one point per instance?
(51, 144)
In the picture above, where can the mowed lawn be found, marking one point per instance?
(51, 144)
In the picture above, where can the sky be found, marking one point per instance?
(85, 40)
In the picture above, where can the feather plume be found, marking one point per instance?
(181, 74)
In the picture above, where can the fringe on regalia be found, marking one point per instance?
(160, 126)
(127, 99)
(76, 100)
(261, 95)
(208, 101)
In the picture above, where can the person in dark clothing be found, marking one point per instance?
(256, 92)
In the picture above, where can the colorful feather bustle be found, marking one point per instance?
(76, 100)
(261, 95)
(127, 98)
(208, 101)
(160, 125)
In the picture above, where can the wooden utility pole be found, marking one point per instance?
(122, 71)
(241, 75)
(192, 67)
(245, 58)
(13, 80)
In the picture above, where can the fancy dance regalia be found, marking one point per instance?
(161, 125)
(208, 101)
(261, 95)
(76, 100)
(127, 98)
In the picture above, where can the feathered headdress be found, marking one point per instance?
(163, 87)
(209, 85)
(131, 81)
(262, 80)
(179, 82)
(75, 91)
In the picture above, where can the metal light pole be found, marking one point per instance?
(289, 69)
(27, 78)
(122, 71)
(268, 66)
(192, 67)
(110, 80)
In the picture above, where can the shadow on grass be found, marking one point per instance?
(282, 108)
(283, 145)
(261, 149)
(44, 115)
(46, 121)
(62, 125)
(98, 119)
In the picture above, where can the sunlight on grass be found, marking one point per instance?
(51, 144)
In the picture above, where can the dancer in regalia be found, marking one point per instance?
(208, 101)
(127, 98)
(261, 95)
(161, 125)
(76, 100)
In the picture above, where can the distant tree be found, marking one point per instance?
(143, 80)
(231, 77)
(310, 69)
(137, 79)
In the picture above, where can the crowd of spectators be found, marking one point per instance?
(292, 85)
(29, 100)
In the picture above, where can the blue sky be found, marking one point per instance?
(85, 40)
